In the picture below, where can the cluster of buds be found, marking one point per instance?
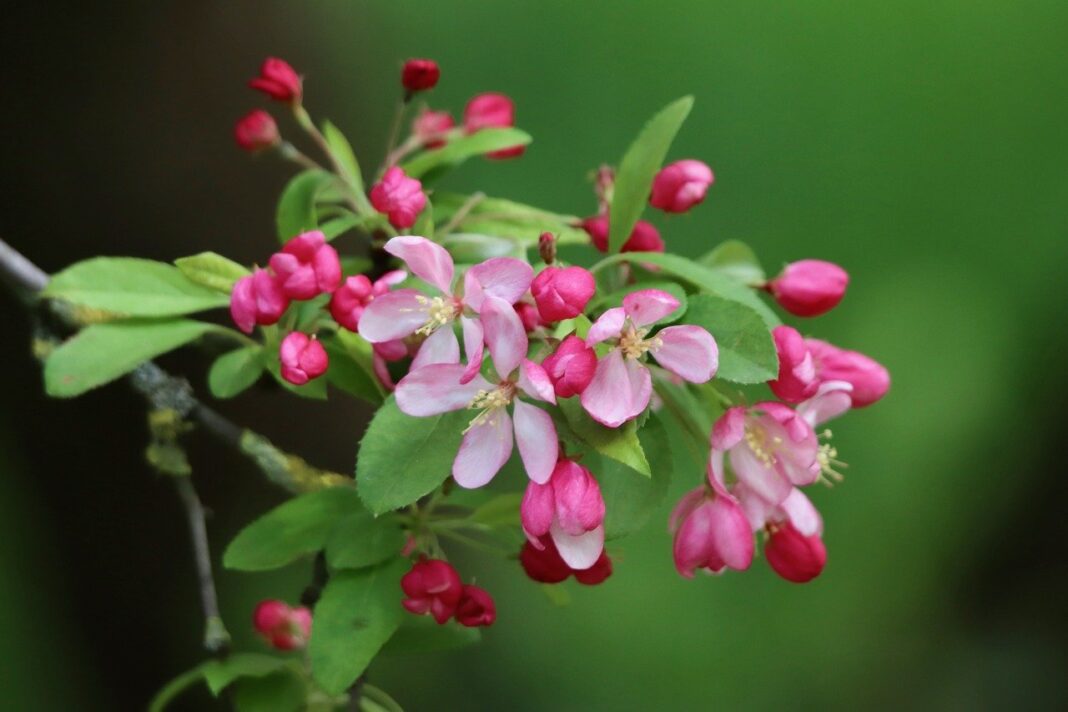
(433, 587)
(281, 626)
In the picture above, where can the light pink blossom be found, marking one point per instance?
(348, 301)
(711, 532)
(570, 509)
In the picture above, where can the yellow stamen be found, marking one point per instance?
(439, 311)
(490, 403)
(633, 344)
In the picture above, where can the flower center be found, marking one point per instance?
(633, 344)
(827, 458)
(439, 312)
(490, 403)
(761, 444)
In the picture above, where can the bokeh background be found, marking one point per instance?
(920, 144)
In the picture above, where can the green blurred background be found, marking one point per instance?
(920, 144)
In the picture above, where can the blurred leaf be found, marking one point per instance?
(234, 372)
(360, 540)
(634, 178)
(293, 529)
(424, 224)
(345, 156)
(497, 217)
(402, 458)
(354, 264)
(220, 673)
(557, 595)
(174, 688)
(615, 299)
(736, 260)
(132, 287)
(620, 444)
(101, 353)
(422, 634)
(471, 248)
(281, 691)
(629, 496)
(296, 206)
(501, 511)
(460, 149)
(212, 270)
(746, 349)
(351, 367)
(357, 614)
(342, 224)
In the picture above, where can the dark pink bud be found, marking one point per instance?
(303, 358)
(284, 628)
(543, 565)
(597, 573)
(350, 299)
(680, 186)
(432, 586)
(420, 74)
(278, 80)
(795, 557)
(547, 247)
(307, 266)
(797, 374)
(432, 127)
(562, 292)
(256, 130)
(537, 510)
(711, 532)
(571, 367)
(809, 287)
(257, 299)
(492, 111)
(476, 608)
(869, 378)
(644, 238)
(528, 314)
(579, 504)
(401, 198)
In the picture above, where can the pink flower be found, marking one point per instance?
(420, 74)
(562, 292)
(284, 628)
(492, 111)
(794, 556)
(644, 237)
(432, 127)
(307, 266)
(528, 314)
(432, 586)
(303, 358)
(257, 299)
(809, 287)
(869, 379)
(570, 509)
(542, 563)
(404, 312)
(256, 130)
(622, 384)
(771, 447)
(680, 186)
(711, 532)
(350, 299)
(401, 198)
(797, 374)
(278, 80)
(476, 608)
(487, 443)
(570, 367)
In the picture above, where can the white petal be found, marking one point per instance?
(687, 351)
(619, 391)
(608, 325)
(437, 389)
(484, 450)
(536, 436)
(393, 316)
(579, 552)
(440, 347)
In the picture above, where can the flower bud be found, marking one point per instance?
(257, 299)
(711, 532)
(543, 565)
(401, 198)
(579, 504)
(476, 608)
(432, 127)
(256, 131)
(680, 186)
(349, 300)
(307, 266)
(547, 247)
(797, 374)
(809, 287)
(869, 378)
(492, 111)
(278, 80)
(284, 628)
(420, 74)
(432, 586)
(528, 314)
(303, 358)
(562, 292)
(537, 510)
(571, 367)
(644, 238)
(795, 557)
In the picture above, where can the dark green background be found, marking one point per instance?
(920, 144)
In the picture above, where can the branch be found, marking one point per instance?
(216, 638)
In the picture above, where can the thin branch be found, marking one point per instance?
(216, 637)
(461, 214)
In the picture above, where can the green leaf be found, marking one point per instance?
(402, 458)
(101, 353)
(460, 149)
(629, 496)
(357, 614)
(351, 367)
(220, 673)
(360, 540)
(746, 349)
(424, 224)
(345, 156)
(421, 634)
(298, 527)
(296, 207)
(620, 444)
(281, 691)
(736, 260)
(496, 218)
(634, 179)
(212, 270)
(340, 225)
(703, 278)
(174, 688)
(132, 287)
(501, 511)
(471, 248)
(234, 372)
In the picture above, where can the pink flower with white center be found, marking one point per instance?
(680, 186)
(404, 312)
(432, 127)
(772, 449)
(487, 443)
(711, 532)
(257, 299)
(303, 358)
(570, 509)
(622, 384)
(809, 287)
(348, 301)
(797, 374)
(869, 379)
(401, 198)
(307, 266)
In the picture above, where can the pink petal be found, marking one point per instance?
(831, 400)
(536, 436)
(579, 552)
(473, 346)
(802, 513)
(765, 481)
(484, 450)
(437, 389)
(537, 511)
(535, 382)
(648, 306)
(729, 430)
(427, 260)
(690, 352)
(503, 277)
(607, 326)
(505, 335)
(440, 347)
(393, 316)
(732, 534)
(693, 543)
(619, 391)
(687, 504)
(389, 279)
(757, 510)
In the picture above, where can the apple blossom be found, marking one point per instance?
(492, 110)
(278, 80)
(643, 238)
(432, 127)
(303, 358)
(570, 366)
(257, 299)
(869, 379)
(432, 586)
(797, 374)
(401, 198)
(350, 299)
(256, 131)
(680, 186)
(476, 608)
(809, 287)
(283, 627)
(307, 266)
(562, 292)
(570, 509)
(420, 74)
(542, 563)
(711, 532)
(794, 556)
